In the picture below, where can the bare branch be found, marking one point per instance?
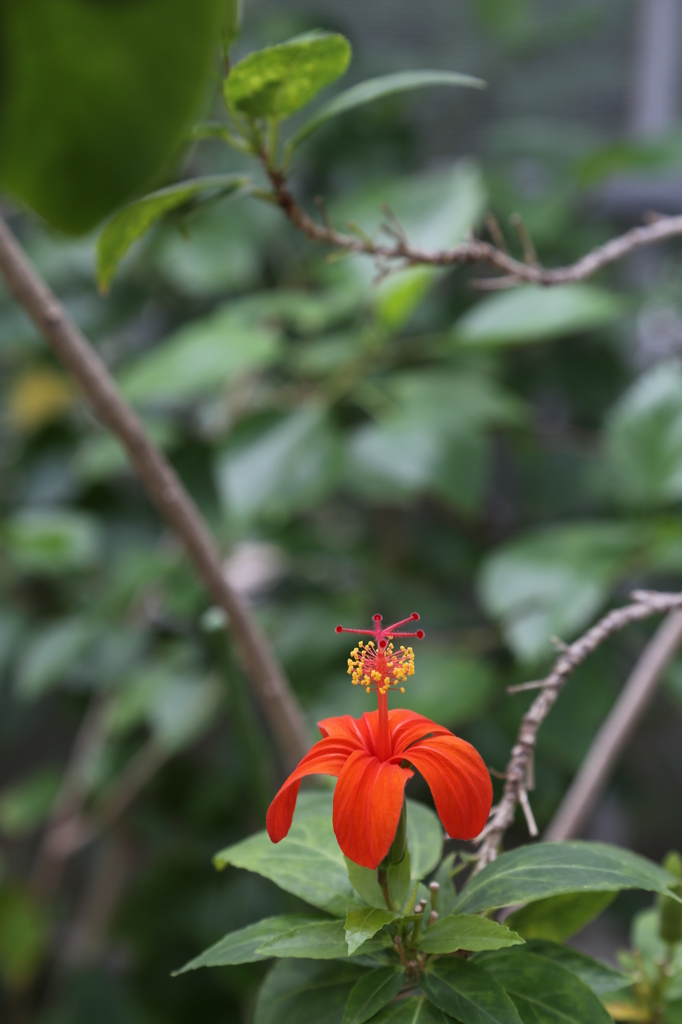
(519, 773)
(615, 732)
(400, 253)
(164, 488)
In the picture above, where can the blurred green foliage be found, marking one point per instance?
(357, 447)
(112, 87)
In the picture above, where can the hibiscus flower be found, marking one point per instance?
(374, 756)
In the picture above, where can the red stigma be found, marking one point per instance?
(382, 634)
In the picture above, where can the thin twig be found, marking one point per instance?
(401, 253)
(48, 866)
(530, 257)
(519, 773)
(616, 730)
(164, 488)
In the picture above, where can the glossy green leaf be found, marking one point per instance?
(548, 869)
(366, 884)
(200, 359)
(298, 991)
(466, 931)
(560, 917)
(531, 313)
(414, 1010)
(601, 978)
(425, 836)
(362, 923)
(309, 940)
(135, 219)
(544, 992)
(97, 97)
(643, 440)
(376, 89)
(278, 81)
(468, 993)
(243, 946)
(371, 993)
(553, 581)
(308, 863)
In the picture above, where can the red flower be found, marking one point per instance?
(374, 756)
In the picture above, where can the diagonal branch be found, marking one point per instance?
(164, 489)
(615, 732)
(519, 774)
(399, 252)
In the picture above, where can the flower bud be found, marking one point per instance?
(669, 910)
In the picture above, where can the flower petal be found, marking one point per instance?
(368, 800)
(327, 757)
(459, 781)
(407, 726)
(358, 730)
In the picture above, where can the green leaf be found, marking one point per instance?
(415, 1010)
(446, 889)
(298, 991)
(233, 15)
(560, 917)
(243, 946)
(544, 992)
(308, 863)
(53, 654)
(437, 421)
(278, 81)
(643, 440)
(425, 836)
(466, 931)
(97, 97)
(362, 923)
(52, 541)
(366, 884)
(200, 359)
(597, 976)
(553, 581)
(287, 467)
(548, 869)
(371, 993)
(309, 940)
(376, 89)
(531, 313)
(135, 219)
(468, 993)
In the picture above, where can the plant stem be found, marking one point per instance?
(163, 487)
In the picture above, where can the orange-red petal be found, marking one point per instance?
(358, 731)
(327, 757)
(459, 781)
(368, 800)
(406, 727)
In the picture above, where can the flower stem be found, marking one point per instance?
(382, 878)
